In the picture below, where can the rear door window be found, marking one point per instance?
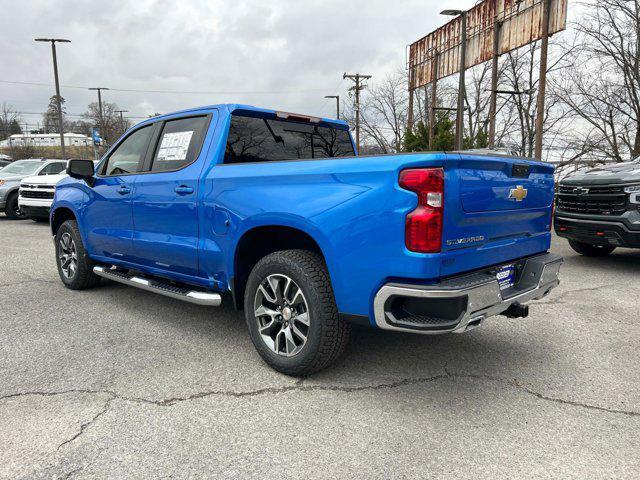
(267, 140)
(179, 144)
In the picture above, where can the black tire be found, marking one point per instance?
(327, 335)
(591, 250)
(12, 209)
(83, 276)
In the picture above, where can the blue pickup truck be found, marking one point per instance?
(276, 211)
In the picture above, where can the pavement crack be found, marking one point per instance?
(299, 386)
(515, 383)
(86, 425)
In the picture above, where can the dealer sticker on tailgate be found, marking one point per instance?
(506, 276)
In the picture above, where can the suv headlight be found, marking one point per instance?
(632, 189)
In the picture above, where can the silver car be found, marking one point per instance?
(11, 175)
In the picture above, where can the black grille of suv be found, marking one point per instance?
(600, 200)
(34, 194)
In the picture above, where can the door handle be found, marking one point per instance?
(124, 190)
(183, 190)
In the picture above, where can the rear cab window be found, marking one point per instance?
(254, 139)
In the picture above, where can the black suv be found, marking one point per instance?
(599, 210)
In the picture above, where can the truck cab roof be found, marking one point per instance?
(251, 110)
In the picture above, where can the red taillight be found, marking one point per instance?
(423, 228)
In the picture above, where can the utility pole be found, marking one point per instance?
(542, 87)
(463, 66)
(493, 105)
(99, 90)
(337, 97)
(358, 86)
(121, 119)
(55, 74)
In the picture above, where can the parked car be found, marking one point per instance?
(36, 196)
(12, 175)
(599, 210)
(276, 210)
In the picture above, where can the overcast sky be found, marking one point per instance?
(295, 50)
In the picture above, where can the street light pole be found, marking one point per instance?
(337, 97)
(101, 118)
(55, 74)
(463, 66)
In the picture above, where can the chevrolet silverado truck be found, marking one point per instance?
(277, 212)
(599, 210)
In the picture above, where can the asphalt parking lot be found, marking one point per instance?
(119, 383)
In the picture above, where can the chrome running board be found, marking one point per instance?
(198, 297)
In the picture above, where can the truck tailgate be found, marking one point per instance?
(496, 209)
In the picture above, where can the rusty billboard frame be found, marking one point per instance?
(520, 23)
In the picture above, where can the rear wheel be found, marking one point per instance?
(74, 265)
(12, 209)
(291, 313)
(591, 250)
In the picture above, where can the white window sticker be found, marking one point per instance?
(174, 146)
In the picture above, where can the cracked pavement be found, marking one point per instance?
(119, 383)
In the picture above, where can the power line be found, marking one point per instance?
(187, 92)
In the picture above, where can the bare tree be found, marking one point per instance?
(9, 121)
(383, 113)
(603, 90)
(112, 126)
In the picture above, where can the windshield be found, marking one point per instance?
(22, 167)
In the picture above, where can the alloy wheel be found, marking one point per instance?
(68, 255)
(282, 313)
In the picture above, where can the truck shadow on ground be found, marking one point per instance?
(371, 356)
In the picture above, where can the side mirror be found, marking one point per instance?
(81, 169)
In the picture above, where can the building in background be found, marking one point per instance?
(46, 140)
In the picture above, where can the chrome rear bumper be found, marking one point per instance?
(463, 302)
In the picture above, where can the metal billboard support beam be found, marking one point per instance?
(462, 79)
(410, 108)
(434, 100)
(493, 105)
(542, 87)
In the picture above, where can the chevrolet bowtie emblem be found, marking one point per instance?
(519, 193)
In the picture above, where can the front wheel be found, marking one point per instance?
(74, 265)
(591, 250)
(12, 209)
(292, 315)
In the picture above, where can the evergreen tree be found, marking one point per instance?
(50, 117)
(443, 139)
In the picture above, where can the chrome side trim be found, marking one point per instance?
(484, 299)
(193, 296)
